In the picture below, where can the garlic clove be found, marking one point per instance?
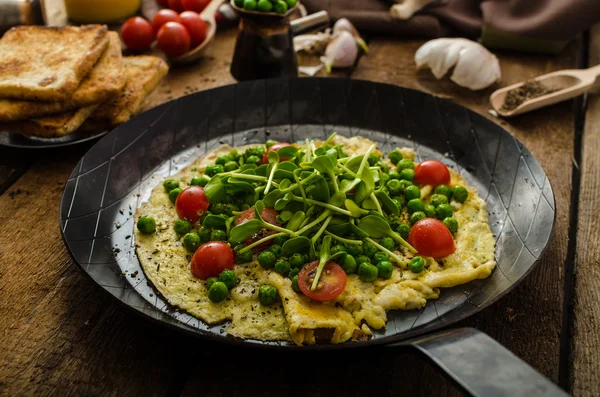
(312, 43)
(341, 52)
(344, 24)
(474, 66)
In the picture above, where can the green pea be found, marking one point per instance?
(252, 160)
(394, 222)
(388, 242)
(412, 192)
(267, 294)
(267, 259)
(443, 211)
(403, 230)
(348, 263)
(407, 174)
(415, 205)
(282, 267)
(451, 224)
(337, 248)
(173, 194)
(182, 226)
(395, 156)
(385, 269)
(295, 286)
(217, 208)
(384, 167)
(212, 170)
(291, 3)
(243, 257)
(380, 256)
(293, 272)
(394, 175)
(234, 152)
(218, 235)
(363, 259)
(229, 208)
(460, 194)
(231, 165)
(394, 186)
(250, 5)
(405, 164)
(224, 159)
(209, 282)
(354, 249)
(281, 240)
(429, 211)
(239, 3)
(296, 260)
(281, 7)
(257, 151)
(228, 278)
(264, 6)
(217, 292)
(443, 189)
(417, 216)
(416, 265)
(198, 180)
(146, 224)
(384, 178)
(369, 249)
(438, 199)
(276, 249)
(170, 184)
(191, 242)
(204, 234)
(367, 272)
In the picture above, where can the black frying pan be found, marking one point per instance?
(118, 173)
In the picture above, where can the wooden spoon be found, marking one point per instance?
(208, 14)
(570, 83)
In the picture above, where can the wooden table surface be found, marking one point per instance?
(60, 334)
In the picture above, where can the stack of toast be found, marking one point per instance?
(55, 81)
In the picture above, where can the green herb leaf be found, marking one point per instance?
(286, 152)
(324, 164)
(214, 222)
(271, 198)
(296, 220)
(319, 189)
(215, 190)
(259, 206)
(378, 227)
(245, 231)
(296, 245)
(386, 202)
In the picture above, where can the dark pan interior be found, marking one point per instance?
(118, 173)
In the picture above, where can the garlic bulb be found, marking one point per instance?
(474, 66)
(341, 52)
(312, 43)
(344, 25)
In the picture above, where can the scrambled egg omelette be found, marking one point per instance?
(352, 315)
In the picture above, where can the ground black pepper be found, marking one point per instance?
(529, 90)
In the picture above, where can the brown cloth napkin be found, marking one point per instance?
(530, 25)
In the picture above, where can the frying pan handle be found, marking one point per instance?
(481, 366)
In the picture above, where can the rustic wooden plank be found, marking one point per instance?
(533, 311)
(586, 354)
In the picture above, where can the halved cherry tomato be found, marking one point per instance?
(176, 5)
(195, 26)
(137, 33)
(194, 5)
(275, 148)
(331, 284)
(269, 215)
(431, 238)
(191, 203)
(173, 39)
(211, 259)
(162, 17)
(432, 172)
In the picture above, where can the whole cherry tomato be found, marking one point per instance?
(431, 237)
(331, 283)
(211, 259)
(137, 33)
(191, 203)
(176, 5)
(195, 26)
(432, 172)
(274, 148)
(194, 5)
(173, 39)
(162, 17)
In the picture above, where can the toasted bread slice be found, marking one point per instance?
(105, 81)
(52, 126)
(144, 73)
(45, 63)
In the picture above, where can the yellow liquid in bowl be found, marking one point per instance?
(100, 11)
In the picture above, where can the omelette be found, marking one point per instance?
(355, 212)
